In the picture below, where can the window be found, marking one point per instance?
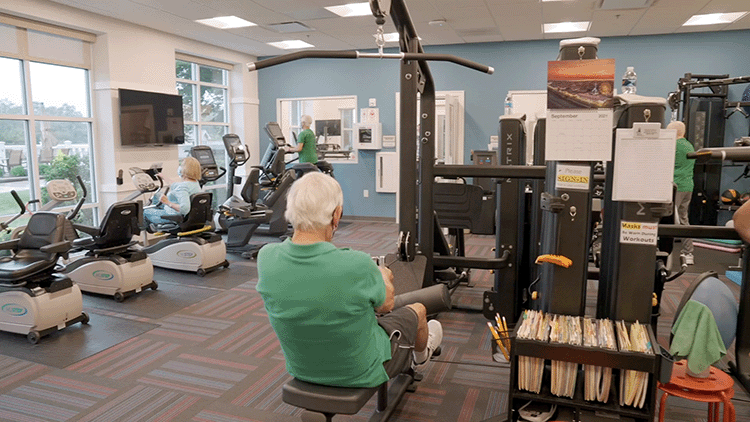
(333, 125)
(205, 101)
(45, 117)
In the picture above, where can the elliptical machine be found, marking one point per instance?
(35, 298)
(240, 216)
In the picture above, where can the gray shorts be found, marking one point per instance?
(401, 326)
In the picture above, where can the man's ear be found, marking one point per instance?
(337, 212)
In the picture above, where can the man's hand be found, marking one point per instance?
(387, 306)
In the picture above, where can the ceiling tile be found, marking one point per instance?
(692, 5)
(483, 38)
(658, 22)
(610, 23)
(466, 20)
(478, 22)
(514, 10)
(720, 6)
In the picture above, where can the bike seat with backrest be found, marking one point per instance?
(37, 250)
(115, 233)
(251, 189)
(200, 213)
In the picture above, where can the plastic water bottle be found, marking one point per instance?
(629, 81)
(508, 104)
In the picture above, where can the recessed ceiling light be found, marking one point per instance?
(714, 18)
(226, 22)
(550, 28)
(290, 44)
(351, 9)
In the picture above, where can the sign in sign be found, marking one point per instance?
(573, 177)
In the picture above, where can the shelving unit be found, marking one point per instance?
(585, 356)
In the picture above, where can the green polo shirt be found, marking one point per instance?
(683, 167)
(309, 153)
(320, 301)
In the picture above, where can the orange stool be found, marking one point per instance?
(715, 389)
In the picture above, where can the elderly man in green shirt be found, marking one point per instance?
(683, 178)
(332, 308)
(306, 142)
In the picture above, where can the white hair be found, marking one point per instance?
(306, 120)
(679, 127)
(311, 201)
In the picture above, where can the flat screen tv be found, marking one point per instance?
(150, 118)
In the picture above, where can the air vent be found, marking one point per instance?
(625, 4)
(290, 27)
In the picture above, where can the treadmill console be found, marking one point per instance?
(205, 156)
(235, 149)
(274, 132)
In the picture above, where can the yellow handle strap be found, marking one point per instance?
(205, 228)
(558, 260)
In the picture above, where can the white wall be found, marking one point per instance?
(135, 57)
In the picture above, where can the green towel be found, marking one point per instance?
(697, 337)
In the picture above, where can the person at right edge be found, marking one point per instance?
(683, 178)
(306, 142)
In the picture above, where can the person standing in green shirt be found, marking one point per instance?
(683, 178)
(306, 142)
(332, 308)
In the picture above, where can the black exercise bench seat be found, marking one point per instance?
(325, 399)
(332, 401)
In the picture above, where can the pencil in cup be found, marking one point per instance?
(498, 341)
(502, 328)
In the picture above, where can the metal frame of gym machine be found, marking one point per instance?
(415, 259)
(415, 243)
(707, 174)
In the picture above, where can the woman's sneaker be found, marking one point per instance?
(434, 339)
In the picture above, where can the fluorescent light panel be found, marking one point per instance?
(351, 9)
(290, 44)
(226, 22)
(714, 18)
(550, 28)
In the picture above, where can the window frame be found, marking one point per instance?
(293, 125)
(196, 85)
(22, 28)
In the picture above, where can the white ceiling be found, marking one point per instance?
(466, 21)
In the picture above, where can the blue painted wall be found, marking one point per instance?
(658, 60)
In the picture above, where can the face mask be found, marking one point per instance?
(179, 171)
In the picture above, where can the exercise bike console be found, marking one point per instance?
(61, 190)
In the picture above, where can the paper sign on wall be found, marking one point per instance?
(369, 115)
(644, 164)
(638, 233)
(573, 177)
